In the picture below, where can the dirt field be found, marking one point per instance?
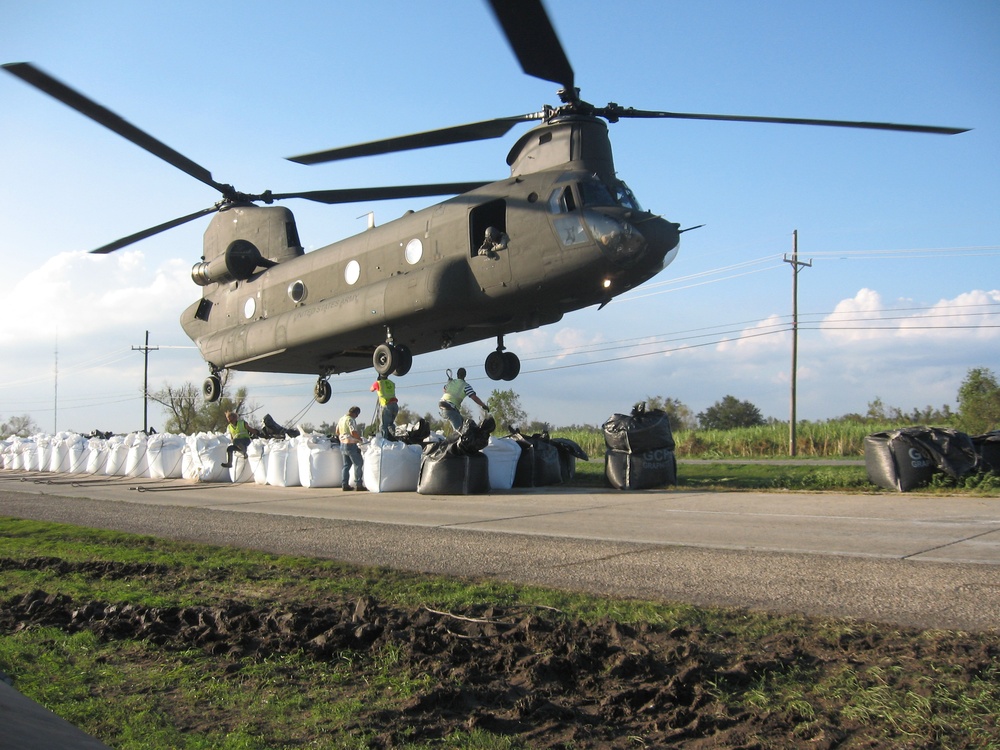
(549, 681)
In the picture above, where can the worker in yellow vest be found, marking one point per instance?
(457, 390)
(388, 405)
(239, 434)
(350, 449)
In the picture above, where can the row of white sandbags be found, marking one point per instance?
(307, 460)
(167, 456)
(389, 466)
(121, 455)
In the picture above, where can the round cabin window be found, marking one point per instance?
(353, 272)
(297, 291)
(414, 251)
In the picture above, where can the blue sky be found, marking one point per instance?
(903, 230)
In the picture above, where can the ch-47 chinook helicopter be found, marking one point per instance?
(562, 232)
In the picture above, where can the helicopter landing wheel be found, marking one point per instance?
(511, 366)
(322, 391)
(385, 359)
(502, 365)
(495, 365)
(404, 360)
(211, 389)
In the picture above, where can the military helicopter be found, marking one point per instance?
(562, 232)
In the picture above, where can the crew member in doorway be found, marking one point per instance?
(494, 242)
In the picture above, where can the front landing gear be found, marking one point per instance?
(502, 365)
(211, 389)
(322, 391)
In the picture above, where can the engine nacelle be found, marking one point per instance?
(238, 263)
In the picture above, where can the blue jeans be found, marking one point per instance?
(352, 455)
(453, 415)
(389, 412)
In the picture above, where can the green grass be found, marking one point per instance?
(803, 475)
(830, 439)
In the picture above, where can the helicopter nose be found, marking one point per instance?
(625, 242)
(619, 240)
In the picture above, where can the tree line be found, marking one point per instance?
(187, 413)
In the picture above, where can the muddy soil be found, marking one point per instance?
(535, 675)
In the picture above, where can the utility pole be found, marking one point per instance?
(796, 265)
(55, 395)
(145, 381)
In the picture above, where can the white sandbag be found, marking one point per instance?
(39, 459)
(165, 455)
(320, 461)
(17, 450)
(242, 470)
(117, 455)
(58, 453)
(137, 458)
(503, 454)
(257, 456)
(283, 464)
(391, 466)
(79, 454)
(204, 455)
(97, 461)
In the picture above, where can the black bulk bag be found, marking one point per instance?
(538, 464)
(443, 473)
(640, 471)
(639, 432)
(909, 458)
(457, 466)
(988, 449)
(569, 452)
(414, 433)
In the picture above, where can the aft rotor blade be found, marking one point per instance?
(125, 241)
(85, 106)
(532, 37)
(355, 195)
(615, 112)
(473, 131)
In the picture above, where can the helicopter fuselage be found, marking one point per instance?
(568, 235)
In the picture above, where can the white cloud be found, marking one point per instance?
(79, 294)
(962, 317)
(764, 337)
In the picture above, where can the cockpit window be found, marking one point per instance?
(562, 200)
(625, 197)
(593, 192)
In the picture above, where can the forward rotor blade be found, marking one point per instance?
(473, 131)
(615, 112)
(125, 241)
(355, 195)
(530, 33)
(74, 99)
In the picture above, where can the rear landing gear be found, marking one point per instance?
(502, 365)
(392, 359)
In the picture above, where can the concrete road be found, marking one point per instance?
(904, 559)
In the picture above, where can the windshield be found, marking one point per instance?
(593, 192)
